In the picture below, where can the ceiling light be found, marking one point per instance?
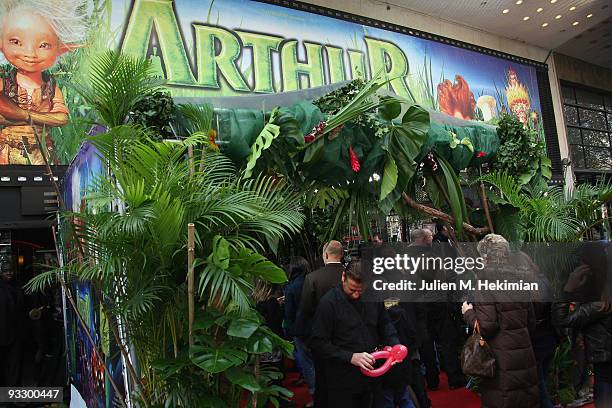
(5, 179)
(558, 16)
(38, 178)
(589, 15)
(539, 10)
(21, 178)
(575, 23)
(519, 1)
(572, 8)
(544, 24)
(525, 18)
(506, 11)
(553, 1)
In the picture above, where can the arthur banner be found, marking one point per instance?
(226, 47)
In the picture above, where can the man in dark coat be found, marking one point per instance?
(317, 284)
(11, 320)
(345, 331)
(441, 329)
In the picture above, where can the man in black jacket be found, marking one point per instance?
(345, 331)
(317, 284)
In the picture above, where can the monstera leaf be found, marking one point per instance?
(403, 143)
(267, 135)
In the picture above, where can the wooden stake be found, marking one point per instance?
(190, 278)
(485, 202)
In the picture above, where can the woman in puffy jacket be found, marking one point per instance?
(506, 327)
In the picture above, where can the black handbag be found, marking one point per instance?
(477, 359)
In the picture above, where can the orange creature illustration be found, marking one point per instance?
(518, 97)
(456, 99)
(33, 35)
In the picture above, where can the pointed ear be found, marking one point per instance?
(64, 48)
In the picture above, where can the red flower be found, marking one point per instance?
(480, 154)
(316, 131)
(354, 160)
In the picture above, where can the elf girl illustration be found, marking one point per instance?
(33, 35)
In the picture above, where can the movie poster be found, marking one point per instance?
(209, 48)
(85, 367)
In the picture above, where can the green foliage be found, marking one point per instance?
(144, 246)
(194, 118)
(263, 142)
(561, 374)
(544, 214)
(116, 84)
(522, 153)
(155, 110)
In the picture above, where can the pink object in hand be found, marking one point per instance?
(393, 355)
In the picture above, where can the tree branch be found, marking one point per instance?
(443, 216)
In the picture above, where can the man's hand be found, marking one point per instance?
(465, 307)
(577, 278)
(10, 111)
(363, 360)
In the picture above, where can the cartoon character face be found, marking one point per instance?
(30, 43)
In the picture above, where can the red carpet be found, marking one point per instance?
(442, 398)
(458, 398)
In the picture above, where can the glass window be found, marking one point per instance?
(571, 114)
(592, 119)
(573, 136)
(608, 100)
(568, 94)
(589, 99)
(597, 159)
(577, 156)
(593, 138)
(589, 127)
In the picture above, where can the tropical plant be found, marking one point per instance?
(115, 84)
(538, 213)
(522, 153)
(136, 257)
(156, 110)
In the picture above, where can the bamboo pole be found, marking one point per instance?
(191, 162)
(257, 375)
(485, 202)
(190, 278)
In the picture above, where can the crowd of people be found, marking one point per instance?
(335, 333)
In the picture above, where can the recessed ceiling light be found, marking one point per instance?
(575, 23)
(558, 16)
(544, 24)
(589, 15)
(519, 1)
(572, 8)
(506, 11)
(525, 18)
(539, 10)
(553, 1)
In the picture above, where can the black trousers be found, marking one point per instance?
(10, 365)
(417, 383)
(443, 331)
(321, 390)
(348, 399)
